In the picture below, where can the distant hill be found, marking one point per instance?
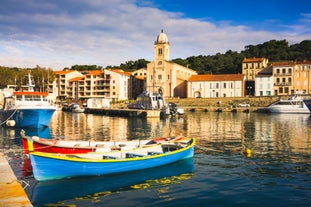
(231, 61)
(227, 63)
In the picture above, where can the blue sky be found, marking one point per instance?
(61, 33)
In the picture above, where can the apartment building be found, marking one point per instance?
(80, 86)
(250, 68)
(119, 85)
(213, 86)
(302, 77)
(283, 73)
(61, 86)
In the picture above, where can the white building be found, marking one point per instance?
(264, 83)
(211, 86)
(119, 84)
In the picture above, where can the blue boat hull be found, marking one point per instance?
(33, 118)
(50, 168)
(88, 186)
(308, 104)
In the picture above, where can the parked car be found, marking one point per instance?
(244, 105)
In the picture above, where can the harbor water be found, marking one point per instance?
(276, 171)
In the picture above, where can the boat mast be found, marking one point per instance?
(30, 85)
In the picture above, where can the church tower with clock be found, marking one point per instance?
(165, 75)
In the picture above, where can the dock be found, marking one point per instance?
(12, 193)
(123, 112)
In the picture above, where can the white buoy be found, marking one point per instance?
(10, 123)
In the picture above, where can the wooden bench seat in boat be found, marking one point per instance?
(133, 155)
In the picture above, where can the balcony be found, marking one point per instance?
(283, 84)
(282, 74)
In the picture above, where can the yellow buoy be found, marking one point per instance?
(248, 152)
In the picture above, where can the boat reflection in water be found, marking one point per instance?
(93, 188)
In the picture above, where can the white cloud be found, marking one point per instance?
(112, 32)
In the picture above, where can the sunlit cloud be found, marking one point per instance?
(59, 34)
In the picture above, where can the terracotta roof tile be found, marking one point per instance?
(63, 72)
(252, 60)
(217, 77)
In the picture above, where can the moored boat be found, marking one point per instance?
(27, 108)
(100, 186)
(148, 100)
(68, 147)
(50, 166)
(293, 105)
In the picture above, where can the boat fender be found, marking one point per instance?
(10, 123)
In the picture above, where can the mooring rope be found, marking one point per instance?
(9, 117)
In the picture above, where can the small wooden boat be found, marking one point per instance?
(51, 166)
(70, 147)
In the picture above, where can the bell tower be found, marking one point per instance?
(161, 49)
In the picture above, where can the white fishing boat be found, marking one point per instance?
(155, 101)
(296, 104)
(26, 108)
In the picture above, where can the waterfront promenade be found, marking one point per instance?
(12, 193)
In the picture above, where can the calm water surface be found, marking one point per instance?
(278, 172)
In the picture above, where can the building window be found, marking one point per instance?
(283, 70)
(160, 77)
(160, 52)
(225, 86)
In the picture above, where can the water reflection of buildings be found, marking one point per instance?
(80, 126)
(277, 133)
(291, 131)
(224, 131)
